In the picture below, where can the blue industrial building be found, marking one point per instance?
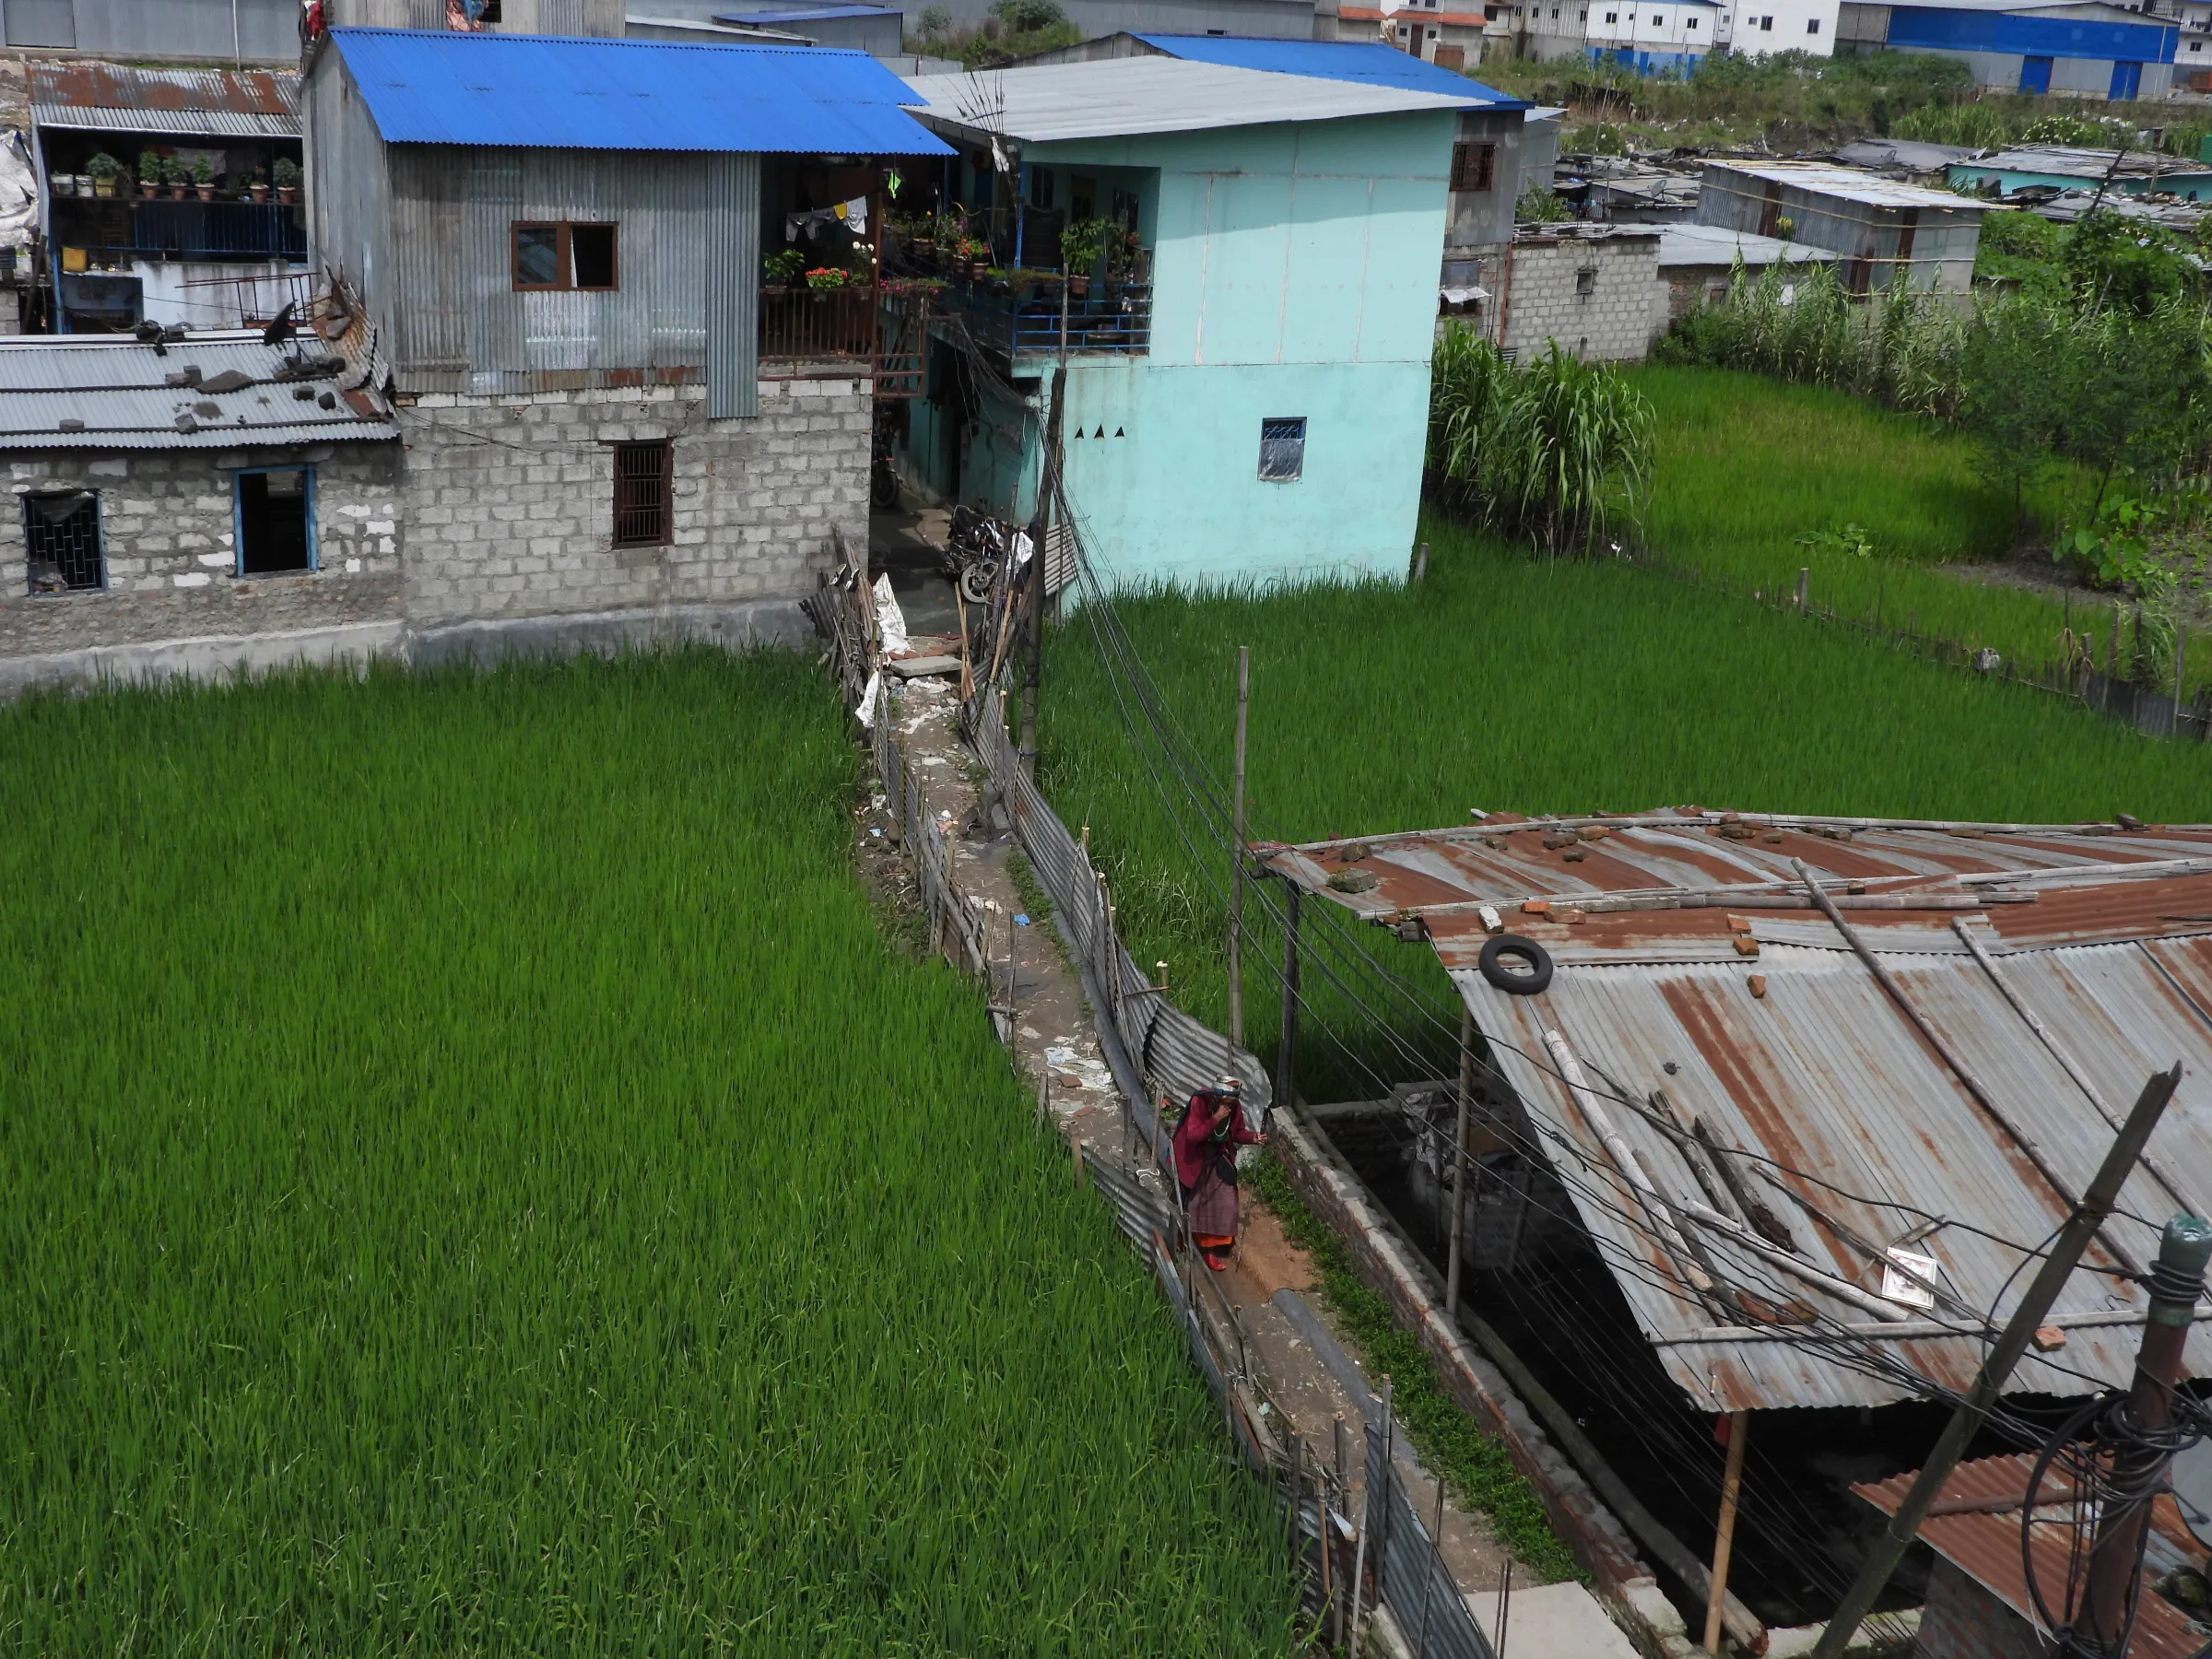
(2086, 48)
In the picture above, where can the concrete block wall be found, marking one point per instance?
(509, 499)
(1963, 1620)
(1613, 322)
(167, 532)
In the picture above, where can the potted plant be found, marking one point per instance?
(783, 269)
(149, 173)
(1081, 245)
(826, 277)
(105, 170)
(202, 180)
(177, 176)
(257, 188)
(287, 174)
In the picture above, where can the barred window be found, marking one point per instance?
(1283, 450)
(643, 508)
(1474, 166)
(61, 534)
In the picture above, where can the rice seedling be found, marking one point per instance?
(478, 1182)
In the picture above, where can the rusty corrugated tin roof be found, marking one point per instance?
(1830, 1108)
(177, 102)
(1974, 1523)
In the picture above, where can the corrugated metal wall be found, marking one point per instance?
(264, 30)
(602, 17)
(349, 225)
(454, 210)
(732, 291)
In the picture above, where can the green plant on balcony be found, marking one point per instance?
(827, 276)
(104, 170)
(203, 178)
(286, 173)
(784, 268)
(149, 172)
(1082, 245)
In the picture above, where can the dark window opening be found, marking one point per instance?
(642, 479)
(565, 256)
(537, 256)
(61, 532)
(274, 535)
(1585, 280)
(1283, 450)
(1474, 166)
(591, 255)
(1041, 189)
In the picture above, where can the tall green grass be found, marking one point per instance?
(1746, 467)
(476, 1181)
(1545, 686)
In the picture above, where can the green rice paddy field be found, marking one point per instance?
(1510, 682)
(474, 1180)
(1747, 467)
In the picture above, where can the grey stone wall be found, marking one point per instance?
(1609, 320)
(509, 499)
(166, 528)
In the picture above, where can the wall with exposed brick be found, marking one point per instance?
(509, 499)
(1607, 316)
(167, 530)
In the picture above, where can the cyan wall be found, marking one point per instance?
(1294, 274)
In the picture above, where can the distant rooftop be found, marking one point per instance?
(1368, 63)
(184, 103)
(1850, 184)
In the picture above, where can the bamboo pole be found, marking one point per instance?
(1724, 1544)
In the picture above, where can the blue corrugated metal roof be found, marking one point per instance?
(804, 13)
(542, 91)
(1369, 64)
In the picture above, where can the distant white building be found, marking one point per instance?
(1671, 35)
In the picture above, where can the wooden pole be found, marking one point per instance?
(1996, 1369)
(1286, 1051)
(1459, 1165)
(1421, 563)
(2181, 667)
(1332, 1594)
(1805, 582)
(1236, 855)
(1367, 1518)
(1732, 1481)
(1041, 533)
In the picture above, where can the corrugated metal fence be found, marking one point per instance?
(1178, 1056)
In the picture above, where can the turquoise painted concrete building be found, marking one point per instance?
(1247, 375)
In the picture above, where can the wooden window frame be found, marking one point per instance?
(665, 507)
(1474, 167)
(564, 257)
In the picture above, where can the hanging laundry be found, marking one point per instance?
(852, 215)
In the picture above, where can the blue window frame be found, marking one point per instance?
(1283, 449)
(273, 520)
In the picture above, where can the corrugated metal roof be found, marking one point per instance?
(1717, 244)
(2073, 162)
(1974, 1523)
(541, 92)
(804, 13)
(1121, 97)
(182, 103)
(1366, 64)
(1820, 1078)
(168, 123)
(1848, 183)
(112, 388)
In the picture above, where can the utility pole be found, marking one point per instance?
(2177, 1281)
(1041, 533)
(1236, 856)
(2096, 1207)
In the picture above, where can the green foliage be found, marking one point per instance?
(478, 1182)
(1029, 17)
(1557, 450)
(1539, 205)
(149, 168)
(285, 172)
(1850, 541)
(933, 21)
(1800, 322)
(2112, 549)
(1083, 244)
(1007, 35)
(103, 165)
(784, 268)
(1474, 1463)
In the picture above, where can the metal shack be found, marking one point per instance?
(1740, 1152)
(559, 244)
(1879, 228)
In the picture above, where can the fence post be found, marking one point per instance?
(1804, 584)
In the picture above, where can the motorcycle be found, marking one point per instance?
(974, 548)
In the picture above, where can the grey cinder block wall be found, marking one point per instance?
(1598, 295)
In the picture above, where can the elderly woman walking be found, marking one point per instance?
(1205, 1167)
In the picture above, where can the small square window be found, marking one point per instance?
(276, 532)
(1474, 166)
(1283, 450)
(1766, 26)
(591, 255)
(538, 263)
(61, 535)
(1813, 27)
(1689, 22)
(1612, 17)
(1585, 280)
(644, 477)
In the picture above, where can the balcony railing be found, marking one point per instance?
(1026, 314)
(818, 324)
(182, 229)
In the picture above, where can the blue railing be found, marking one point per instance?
(210, 231)
(1113, 317)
